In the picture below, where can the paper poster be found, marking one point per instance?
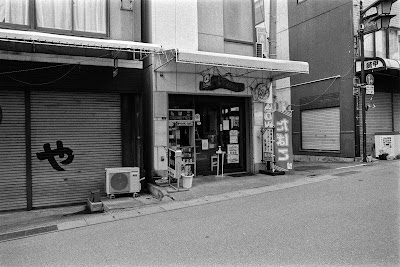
(233, 136)
(204, 144)
(233, 153)
(225, 125)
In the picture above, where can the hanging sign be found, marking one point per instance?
(369, 89)
(217, 82)
(283, 149)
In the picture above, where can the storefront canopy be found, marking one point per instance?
(40, 38)
(378, 64)
(276, 69)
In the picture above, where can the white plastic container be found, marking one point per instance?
(187, 181)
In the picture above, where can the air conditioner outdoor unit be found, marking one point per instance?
(260, 50)
(122, 181)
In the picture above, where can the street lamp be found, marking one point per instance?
(368, 24)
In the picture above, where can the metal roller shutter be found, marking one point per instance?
(379, 118)
(320, 129)
(396, 111)
(12, 151)
(88, 124)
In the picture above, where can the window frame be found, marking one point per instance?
(33, 24)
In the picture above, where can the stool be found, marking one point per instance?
(214, 162)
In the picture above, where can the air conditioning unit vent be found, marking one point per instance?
(122, 180)
(260, 50)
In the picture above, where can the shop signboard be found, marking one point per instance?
(181, 115)
(174, 163)
(283, 149)
(268, 127)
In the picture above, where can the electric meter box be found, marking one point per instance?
(387, 143)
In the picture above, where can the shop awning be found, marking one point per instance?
(141, 49)
(378, 64)
(276, 68)
(75, 41)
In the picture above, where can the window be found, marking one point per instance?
(259, 11)
(14, 12)
(68, 16)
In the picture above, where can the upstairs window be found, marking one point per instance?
(79, 17)
(14, 12)
(259, 11)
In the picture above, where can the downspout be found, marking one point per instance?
(272, 29)
(272, 54)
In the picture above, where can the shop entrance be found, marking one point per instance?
(219, 121)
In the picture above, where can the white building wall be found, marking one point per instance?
(174, 23)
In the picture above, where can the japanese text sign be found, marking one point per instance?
(283, 149)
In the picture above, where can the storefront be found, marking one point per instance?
(383, 103)
(202, 102)
(64, 119)
(56, 141)
(218, 122)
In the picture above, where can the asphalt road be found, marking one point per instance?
(349, 221)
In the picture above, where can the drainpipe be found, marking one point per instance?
(272, 29)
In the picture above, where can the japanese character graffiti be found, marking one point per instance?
(60, 151)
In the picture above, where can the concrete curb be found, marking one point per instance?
(128, 214)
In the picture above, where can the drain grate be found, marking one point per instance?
(345, 173)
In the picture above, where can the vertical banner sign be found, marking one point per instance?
(269, 132)
(283, 144)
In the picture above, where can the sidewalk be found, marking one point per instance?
(205, 189)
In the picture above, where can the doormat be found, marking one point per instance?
(242, 174)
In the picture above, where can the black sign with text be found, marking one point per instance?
(217, 82)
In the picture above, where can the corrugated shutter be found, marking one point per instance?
(320, 129)
(396, 111)
(12, 151)
(379, 118)
(90, 125)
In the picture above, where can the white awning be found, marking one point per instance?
(75, 41)
(277, 68)
(377, 64)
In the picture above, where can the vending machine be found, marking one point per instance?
(182, 137)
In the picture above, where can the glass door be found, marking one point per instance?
(220, 124)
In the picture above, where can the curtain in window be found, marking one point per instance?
(54, 14)
(90, 16)
(14, 11)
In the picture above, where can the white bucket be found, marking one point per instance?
(187, 181)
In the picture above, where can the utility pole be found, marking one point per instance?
(375, 22)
